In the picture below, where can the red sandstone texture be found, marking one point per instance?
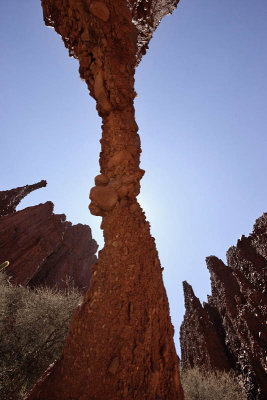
(230, 332)
(42, 248)
(120, 343)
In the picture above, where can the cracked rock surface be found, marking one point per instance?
(230, 331)
(120, 343)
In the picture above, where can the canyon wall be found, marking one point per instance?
(229, 331)
(42, 248)
(120, 343)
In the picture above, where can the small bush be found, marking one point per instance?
(217, 385)
(33, 327)
(4, 265)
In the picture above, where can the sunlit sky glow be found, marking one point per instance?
(201, 111)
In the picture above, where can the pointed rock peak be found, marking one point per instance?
(10, 199)
(214, 263)
(233, 318)
(189, 296)
(260, 223)
(188, 290)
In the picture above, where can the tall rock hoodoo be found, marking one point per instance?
(42, 247)
(230, 332)
(120, 343)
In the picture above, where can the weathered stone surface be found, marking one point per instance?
(198, 332)
(120, 343)
(123, 317)
(73, 259)
(104, 197)
(9, 199)
(44, 249)
(100, 10)
(101, 180)
(27, 238)
(236, 311)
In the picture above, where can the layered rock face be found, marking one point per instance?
(42, 248)
(230, 332)
(120, 343)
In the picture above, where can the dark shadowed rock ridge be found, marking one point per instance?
(10, 199)
(230, 331)
(42, 247)
(120, 343)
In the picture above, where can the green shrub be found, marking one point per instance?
(217, 385)
(33, 327)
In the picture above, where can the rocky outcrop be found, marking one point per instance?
(10, 199)
(199, 332)
(72, 259)
(44, 249)
(120, 343)
(230, 332)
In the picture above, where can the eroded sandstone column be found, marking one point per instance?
(120, 344)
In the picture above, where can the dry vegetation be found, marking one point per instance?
(200, 385)
(33, 327)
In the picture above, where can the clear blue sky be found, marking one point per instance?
(202, 116)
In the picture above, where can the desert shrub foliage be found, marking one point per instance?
(33, 328)
(206, 385)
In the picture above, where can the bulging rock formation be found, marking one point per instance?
(230, 331)
(120, 343)
(42, 248)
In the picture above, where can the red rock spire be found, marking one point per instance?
(120, 343)
(230, 330)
